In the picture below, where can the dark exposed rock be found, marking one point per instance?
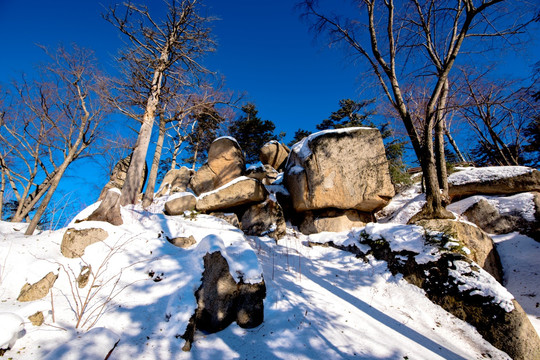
(265, 218)
(221, 301)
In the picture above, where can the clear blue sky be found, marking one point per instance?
(263, 49)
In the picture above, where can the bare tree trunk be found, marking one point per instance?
(2, 190)
(453, 144)
(442, 175)
(136, 167)
(151, 184)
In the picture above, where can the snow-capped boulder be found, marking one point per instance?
(494, 180)
(488, 218)
(38, 290)
(12, 326)
(265, 218)
(472, 241)
(274, 154)
(75, 241)
(343, 169)
(333, 220)
(180, 203)
(175, 181)
(240, 191)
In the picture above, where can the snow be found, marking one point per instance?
(490, 173)
(232, 182)
(403, 206)
(519, 204)
(226, 137)
(479, 282)
(12, 325)
(321, 302)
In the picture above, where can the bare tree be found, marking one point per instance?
(422, 38)
(57, 119)
(498, 114)
(159, 52)
(178, 112)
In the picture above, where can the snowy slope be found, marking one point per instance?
(321, 302)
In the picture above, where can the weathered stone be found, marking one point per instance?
(488, 218)
(203, 180)
(241, 191)
(109, 209)
(37, 319)
(179, 205)
(118, 176)
(38, 290)
(175, 181)
(343, 169)
(265, 174)
(333, 220)
(220, 300)
(526, 180)
(75, 241)
(183, 242)
(84, 276)
(265, 218)
(483, 251)
(274, 154)
(226, 160)
(231, 218)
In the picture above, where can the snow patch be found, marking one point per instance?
(490, 173)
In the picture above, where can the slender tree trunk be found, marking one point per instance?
(133, 180)
(2, 190)
(45, 202)
(151, 184)
(453, 144)
(442, 175)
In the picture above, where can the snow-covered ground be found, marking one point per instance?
(321, 302)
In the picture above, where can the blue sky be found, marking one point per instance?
(263, 49)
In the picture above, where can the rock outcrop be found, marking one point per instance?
(265, 218)
(75, 241)
(225, 163)
(274, 154)
(499, 180)
(175, 181)
(342, 169)
(481, 246)
(334, 220)
(240, 191)
(221, 300)
(118, 176)
(181, 203)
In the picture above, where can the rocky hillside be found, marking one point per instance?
(306, 256)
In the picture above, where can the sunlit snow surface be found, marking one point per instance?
(321, 302)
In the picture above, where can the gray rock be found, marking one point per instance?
(175, 181)
(333, 220)
(265, 218)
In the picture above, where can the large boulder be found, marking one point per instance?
(265, 174)
(181, 203)
(488, 218)
(38, 290)
(274, 154)
(241, 191)
(343, 169)
(333, 220)
(118, 176)
(265, 218)
(109, 209)
(494, 180)
(225, 163)
(221, 300)
(75, 241)
(481, 246)
(175, 181)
